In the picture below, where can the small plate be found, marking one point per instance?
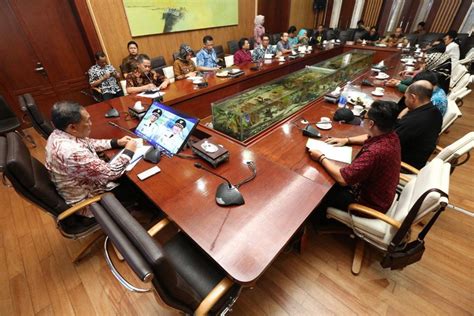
(222, 74)
(324, 126)
(377, 94)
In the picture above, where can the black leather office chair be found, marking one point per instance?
(274, 38)
(347, 35)
(9, 122)
(219, 51)
(359, 34)
(233, 46)
(30, 179)
(158, 63)
(175, 55)
(252, 42)
(331, 34)
(428, 38)
(3, 158)
(182, 275)
(30, 109)
(412, 38)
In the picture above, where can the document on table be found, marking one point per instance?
(151, 95)
(137, 156)
(342, 154)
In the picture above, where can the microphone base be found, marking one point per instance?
(152, 155)
(112, 113)
(226, 196)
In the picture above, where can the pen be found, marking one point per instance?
(136, 159)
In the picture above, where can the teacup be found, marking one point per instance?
(358, 109)
(400, 45)
(379, 90)
(410, 68)
(281, 58)
(325, 119)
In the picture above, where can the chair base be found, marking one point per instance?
(358, 256)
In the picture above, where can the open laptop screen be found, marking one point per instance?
(165, 127)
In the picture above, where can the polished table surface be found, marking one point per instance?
(243, 240)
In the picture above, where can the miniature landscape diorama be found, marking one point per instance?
(252, 111)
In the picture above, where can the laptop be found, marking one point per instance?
(165, 128)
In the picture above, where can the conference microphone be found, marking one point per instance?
(112, 112)
(226, 193)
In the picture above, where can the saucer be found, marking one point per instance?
(377, 94)
(324, 126)
(222, 74)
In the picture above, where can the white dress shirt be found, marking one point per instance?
(452, 49)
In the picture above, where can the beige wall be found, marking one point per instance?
(112, 28)
(301, 13)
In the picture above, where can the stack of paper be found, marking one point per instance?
(342, 154)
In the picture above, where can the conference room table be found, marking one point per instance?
(245, 239)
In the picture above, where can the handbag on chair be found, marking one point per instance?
(400, 254)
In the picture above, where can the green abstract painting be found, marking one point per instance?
(147, 17)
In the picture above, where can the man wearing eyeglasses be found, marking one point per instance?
(371, 179)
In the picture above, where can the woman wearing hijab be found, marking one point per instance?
(259, 29)
(303, 37)
(184, 66)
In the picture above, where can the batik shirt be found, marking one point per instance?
(204, 58)
(75, 168)
(259, 52)
(107, 86)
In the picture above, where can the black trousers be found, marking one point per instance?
(338, 197)
(108, 96)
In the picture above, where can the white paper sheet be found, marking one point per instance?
(342, 154)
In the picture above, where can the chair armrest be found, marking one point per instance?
(410, 168)
(438, 148)
(374, 213)
(211, 299)
(158, 226)
(404, 178)
(76, 207)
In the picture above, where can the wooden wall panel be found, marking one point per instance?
(459, 18)
(445, 16)
(113, 30)
(277, 14)
(301, 13)
(345, 17)
(371, 12)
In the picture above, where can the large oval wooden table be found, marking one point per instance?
(243, 240)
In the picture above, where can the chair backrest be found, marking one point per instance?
(5, 110)
(233, 46)
(175, 55)
(148, 259)
(331, 34)
(460, 147)
(435, 175)
(275, 38)
(30, 178)
(427, 38)
(412, 38)
(462, 83)
(451, 115)
(29, 107)
(358, 35)
(3, 152)
(458, 72)
(346, 35)
(158, 63)
(252, 42)
(219, 51)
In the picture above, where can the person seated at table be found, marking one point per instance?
(395, 38)
(283, 45)
(361, 27)
(420, 29)
(303, 37)
(104, 77)
(206, 58)
(418, 130)
(142, 78)
(132, 57)
(318, 37)
(292, 38)
(259, 29)
(71, 156)
(264, 48)
(437, 62)
(372, 177)
(184, 66)
(452, 48)
(439, 98)
(370, 37)
(243, 56)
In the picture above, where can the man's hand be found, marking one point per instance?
(337, 141)
(392, 82)
(131, 145)
(150, 86)
(106, 76)
(191, 74)
(315, 154)
(164, 84)
(124, 140)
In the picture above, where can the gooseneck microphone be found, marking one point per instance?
(226, 193)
